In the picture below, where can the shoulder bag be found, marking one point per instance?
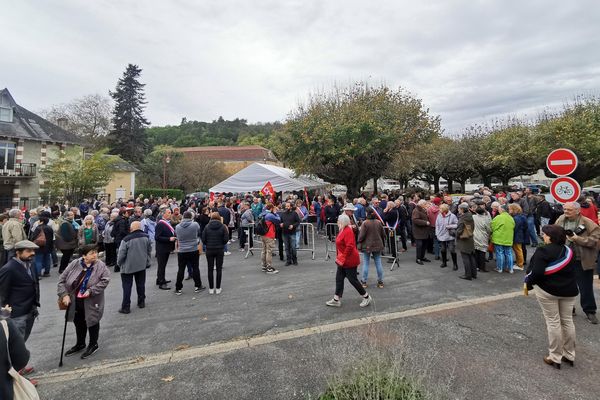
(22, 388)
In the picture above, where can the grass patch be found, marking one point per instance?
(373, 380)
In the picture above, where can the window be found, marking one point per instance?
(6, 114)
(7, 156)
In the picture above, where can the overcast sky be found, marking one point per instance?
(468, 60)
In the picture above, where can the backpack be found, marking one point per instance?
(261, 227)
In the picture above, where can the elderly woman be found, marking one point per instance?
(347, 261)
(503, 229)
(420, 230)
(552, 270)
(371, 241)
(520, 237)
(465, 242)
(481, 235)
(445, 231)
(82, 286)
(88, 232)
(43, 236)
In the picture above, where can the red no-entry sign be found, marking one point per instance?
(565, 189)
(561, 162)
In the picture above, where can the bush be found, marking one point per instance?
(374, 380)
(157, 192)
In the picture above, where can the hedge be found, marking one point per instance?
(158, 192)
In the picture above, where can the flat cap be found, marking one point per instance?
(26, 244)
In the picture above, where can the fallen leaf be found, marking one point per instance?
(168, 378)
(182, 347)
(205, 319)
(290, 296)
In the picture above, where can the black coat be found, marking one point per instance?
(19, 356)
(225, 214)
(215, 235)
(290, 218)
(562, 283)
(120, 229)
(18, 289)
(162, 236)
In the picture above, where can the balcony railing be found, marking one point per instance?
(26, 170)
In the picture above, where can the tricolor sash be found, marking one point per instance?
(378, 216)
(168, 225)
(560, 263)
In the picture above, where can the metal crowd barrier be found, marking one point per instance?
(307, 231)
(256, 242)
(331, 232)
(391, 246)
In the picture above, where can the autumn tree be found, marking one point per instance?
(350, 135)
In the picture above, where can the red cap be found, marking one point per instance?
(437, 201)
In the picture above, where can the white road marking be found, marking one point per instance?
(109, 367)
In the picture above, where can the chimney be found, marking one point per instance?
(62, 122)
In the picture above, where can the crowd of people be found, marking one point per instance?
(128, 236)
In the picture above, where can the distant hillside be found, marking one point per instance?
(216, 133)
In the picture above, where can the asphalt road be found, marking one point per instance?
(482, 351)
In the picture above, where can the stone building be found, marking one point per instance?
(27, 143)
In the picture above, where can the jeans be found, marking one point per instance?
(544, 222)
(378, 267)
(189, 259)
(350, 274)
(504, 257)
(531, 229)
(585, 283)
(289, 240)
(214, 259)
(54, 257)
(24, 323)
(436, 247)
(140, 287)
(43, 261)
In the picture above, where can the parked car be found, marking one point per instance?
(388, 184)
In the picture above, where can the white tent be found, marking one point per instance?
(255, 176)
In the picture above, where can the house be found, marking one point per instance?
(122, 184)
(27, 142)
(234, 158)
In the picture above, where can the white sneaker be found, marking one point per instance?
(334, 303)
(365, 302)
(517, 268)
(218, 291)
(211, 291)
(229, 242)
(227, 253)
(511, 272)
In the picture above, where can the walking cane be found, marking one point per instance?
(62, 349)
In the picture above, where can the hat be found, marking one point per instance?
(437, 201)
(26, 244)
(349, 207)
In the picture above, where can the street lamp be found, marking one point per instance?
(166, 160)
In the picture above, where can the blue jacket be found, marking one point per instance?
(360, 213)
(521, 235)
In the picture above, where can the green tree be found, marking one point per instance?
(428, 161)
(74, 176)
(576, 127)
(455, 165)
(350, 135)
(128, 136)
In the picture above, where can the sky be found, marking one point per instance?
(469, 61)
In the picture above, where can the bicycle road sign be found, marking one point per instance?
(565, 189)
(561, 162)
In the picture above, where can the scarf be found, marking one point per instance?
(84, 282)
(559, 264)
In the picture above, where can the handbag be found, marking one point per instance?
(467, 232)
(40, 240)
(22, 388)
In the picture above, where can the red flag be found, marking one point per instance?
(268, 190)
(212, 196)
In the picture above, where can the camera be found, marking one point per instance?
(577, 231)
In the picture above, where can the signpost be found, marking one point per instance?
(565, 189)
(561, 162)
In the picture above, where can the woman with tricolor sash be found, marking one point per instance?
(552, 271)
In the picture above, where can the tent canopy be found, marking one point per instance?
(256, 175)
